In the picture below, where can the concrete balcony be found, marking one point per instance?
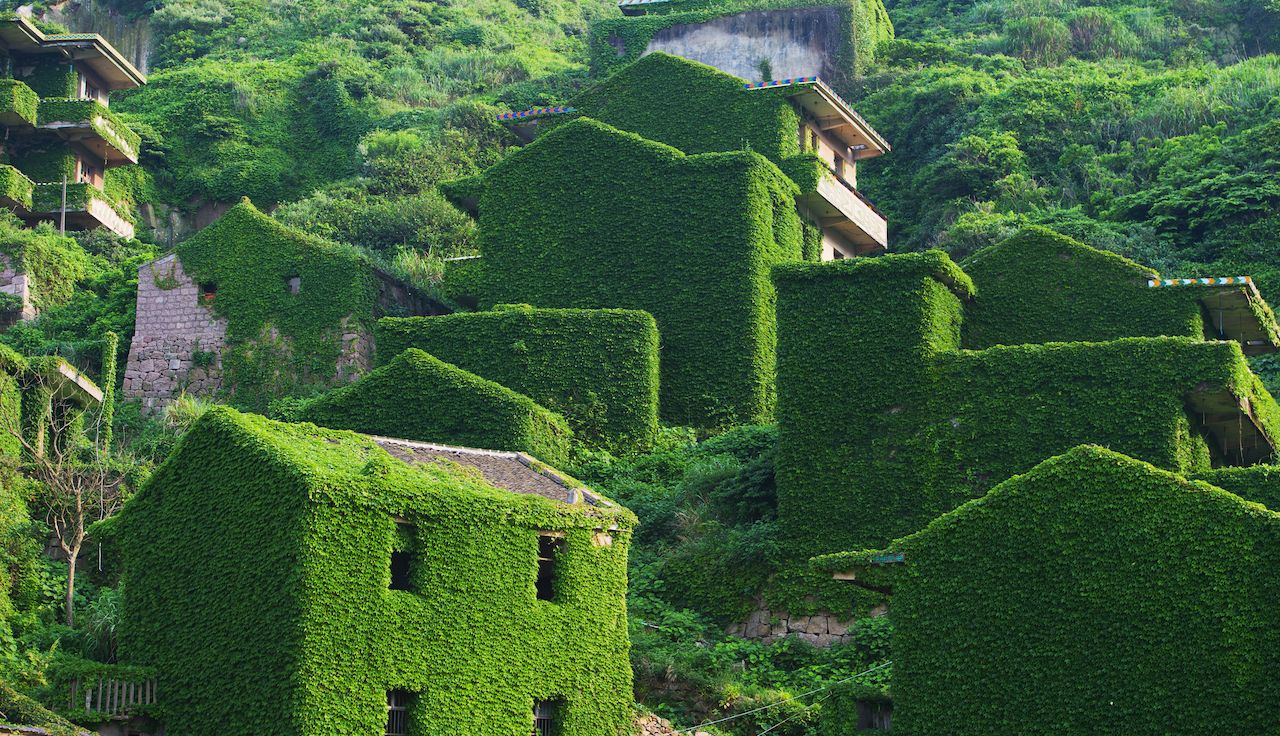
(92, 125)
(86, 208)
(845, 216)
(18, 104)
(15, 189)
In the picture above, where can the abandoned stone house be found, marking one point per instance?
(1038, 345)
(60, 135)
(307, 307)
(1128, 591)
(342, 583)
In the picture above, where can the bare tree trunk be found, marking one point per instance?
(70, 607)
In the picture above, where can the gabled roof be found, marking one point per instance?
(90, 49)
(510, 471)
(879, 569)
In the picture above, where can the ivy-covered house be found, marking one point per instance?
(285, 579)
(619, 203)
(255, 309)
(596, 367)
(61, 139)
(1094, 594)
(951, 381)
(799, 123)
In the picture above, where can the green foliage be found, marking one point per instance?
(102, 302)
(55, 263)
(267, 130)
(20, 709)
(716, 114)
(1039, 286)
(15, 186)
(705, 282)
(465, 409)
(299, 524)
(102, 120)
(598, 368)
(941, 425)
(50, 76)
(280, 342)
(17, 99)
(1014, 595)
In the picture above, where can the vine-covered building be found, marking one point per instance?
(620, 203)
(60, 137)
(1053, 462)
(252, 307)
(965, 378)
(286, 579)
(1094, 594)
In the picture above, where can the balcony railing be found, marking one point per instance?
(93, 125)
(87, 207)
(110, 696)
(19, 104)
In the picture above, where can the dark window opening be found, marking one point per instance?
(402, 556)
(546, 716)
(398, 712)
(875, 715)
(208, 290)
(294, 284)
(399, 571)
(549, 550)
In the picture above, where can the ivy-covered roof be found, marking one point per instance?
(1130, 592)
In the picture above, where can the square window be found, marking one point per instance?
(208, 291)
(546, 717)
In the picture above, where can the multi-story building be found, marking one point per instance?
(60, 135)
(290, 580)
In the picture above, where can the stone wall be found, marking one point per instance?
(173, 325)
(178, 341)
(821, 630)
(18, 284)
(796, 42)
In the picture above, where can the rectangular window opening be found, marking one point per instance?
(294, 284)
(402, 557)
(875, 715)
(549, 550)
(546, 717)
(208, 290)
(398, 712)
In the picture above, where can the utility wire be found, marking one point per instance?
(735, 716)
(794, 715)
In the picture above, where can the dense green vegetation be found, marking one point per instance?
(1002, 579)
(416, 396)
(298, 547)
(597, 367)
(1146, 128)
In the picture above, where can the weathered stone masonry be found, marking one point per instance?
(174, 331)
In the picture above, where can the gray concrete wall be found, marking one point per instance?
(797, 42)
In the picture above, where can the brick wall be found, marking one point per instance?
(18, 284)
(172, 324)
